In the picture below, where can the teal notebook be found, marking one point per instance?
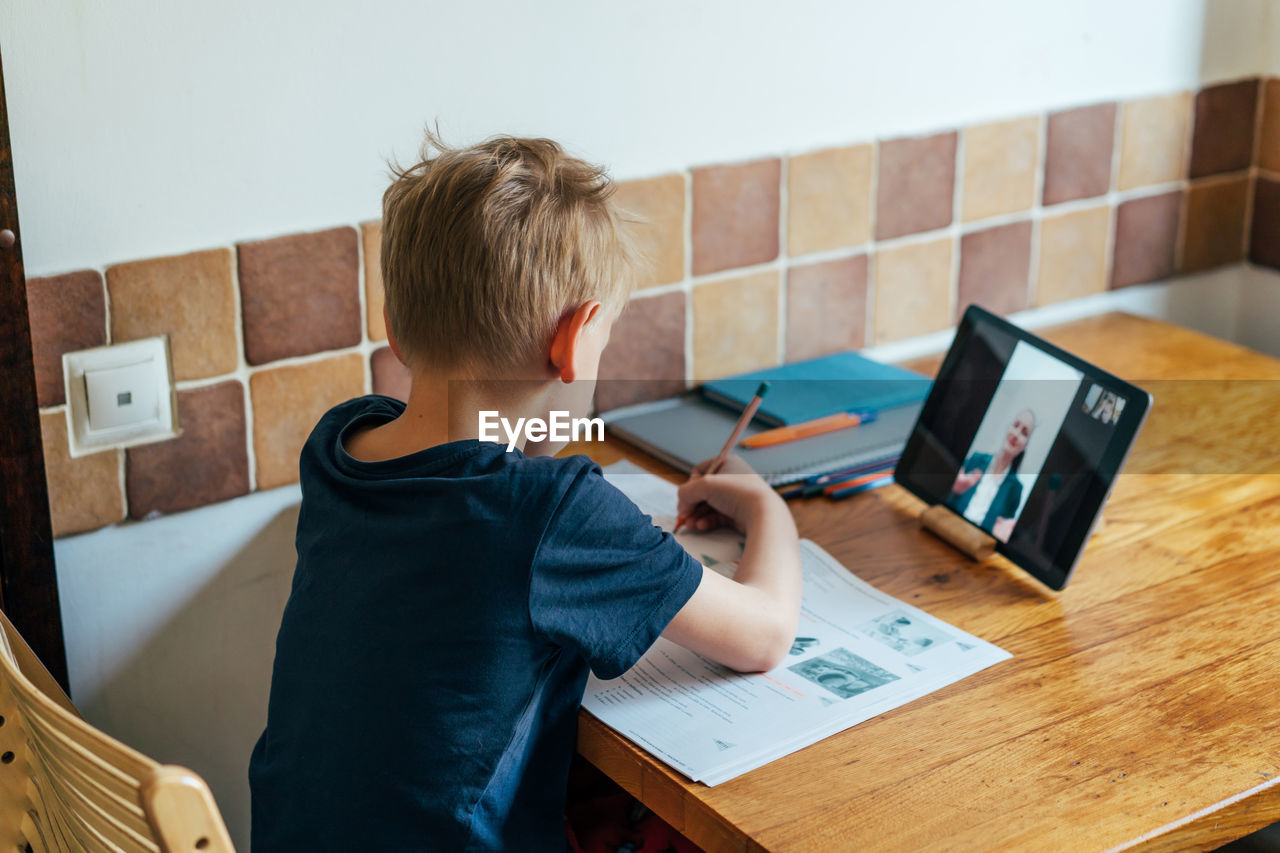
(805, 390)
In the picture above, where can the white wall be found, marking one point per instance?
(146, 127)
(170, 628)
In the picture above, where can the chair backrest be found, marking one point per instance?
(66, 786)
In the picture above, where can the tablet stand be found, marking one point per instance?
(969, 540)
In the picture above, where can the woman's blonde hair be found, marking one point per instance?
(485, 247)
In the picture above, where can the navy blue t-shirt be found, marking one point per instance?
(434, 650)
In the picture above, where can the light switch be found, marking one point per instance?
(120, 395)
(123, 396)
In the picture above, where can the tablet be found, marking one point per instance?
(1023, 440)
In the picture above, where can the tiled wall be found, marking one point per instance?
(781, 258)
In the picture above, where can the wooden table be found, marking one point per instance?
(1140, 707)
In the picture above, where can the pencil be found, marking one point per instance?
(747, 414)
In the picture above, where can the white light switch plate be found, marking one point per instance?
(120, 395)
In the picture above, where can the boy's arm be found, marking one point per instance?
(747, 623)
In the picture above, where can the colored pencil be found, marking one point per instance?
(841, 485)
(817, 426)
(814, 485)
(747, 414)
(840, 494)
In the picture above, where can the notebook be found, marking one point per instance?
(682, 431)
(805, 390)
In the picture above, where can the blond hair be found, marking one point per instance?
(484, 248)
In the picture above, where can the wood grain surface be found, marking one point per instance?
(1140, 708)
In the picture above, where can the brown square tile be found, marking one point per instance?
(1077, 157)
(829, 199)
(190, 298)
(84, 493)
(826, 307)
(67, 313)
(371, 242)
(735, 215)
(1269, 147)
(645, 356)
(735, 325)
(916, 185)
(1215, 230)
(994, 265)
(1264, 237)
(1222, 139)
(1000, 162)
(208, 463)
(912, 290)
(299, 294)
(287, 404)
(1146, 237)
(660, 203)
(1153, 140)
(1073, 255)
(390, 377)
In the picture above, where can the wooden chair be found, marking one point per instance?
(65, 786)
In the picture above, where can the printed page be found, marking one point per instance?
(857, 653)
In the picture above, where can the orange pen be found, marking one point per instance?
(817, 426)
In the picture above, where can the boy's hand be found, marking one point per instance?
(735, 496)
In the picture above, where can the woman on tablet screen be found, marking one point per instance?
(987, 490)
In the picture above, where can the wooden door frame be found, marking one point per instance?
(28, 579)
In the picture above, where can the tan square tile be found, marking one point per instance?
(1146, 239)
(645, 356)
(1222, 138)
(1215, 228)
(829, 199)
(1000, 163)
(1269, 149)
(735, 215)
(1077, 155)
(287, 404)
(1264, 239)
(84, 493)
(300, 294)
(371, 243)
(390, 377)
(208, 463)
(1154, 133)
(826, 307)
(916, 184)
(188, 297)
(735, 325)
(1073, 255)
(660, 203)
(68, 313)
(994, 264)
(912, 290)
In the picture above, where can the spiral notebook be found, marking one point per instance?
(682, 431)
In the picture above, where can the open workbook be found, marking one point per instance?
(857, 653)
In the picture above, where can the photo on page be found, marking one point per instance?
(843, 673)
(904, 633)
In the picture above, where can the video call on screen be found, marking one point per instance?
(1013, 440)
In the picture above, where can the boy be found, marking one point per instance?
(450, 595)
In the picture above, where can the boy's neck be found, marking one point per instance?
(444, 407)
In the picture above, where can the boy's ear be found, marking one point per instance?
(566, 346)
(391, 339)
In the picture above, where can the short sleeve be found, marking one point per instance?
(605, 580)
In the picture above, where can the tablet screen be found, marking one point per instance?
(1022, 440)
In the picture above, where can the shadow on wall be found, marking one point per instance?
(193, 689)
